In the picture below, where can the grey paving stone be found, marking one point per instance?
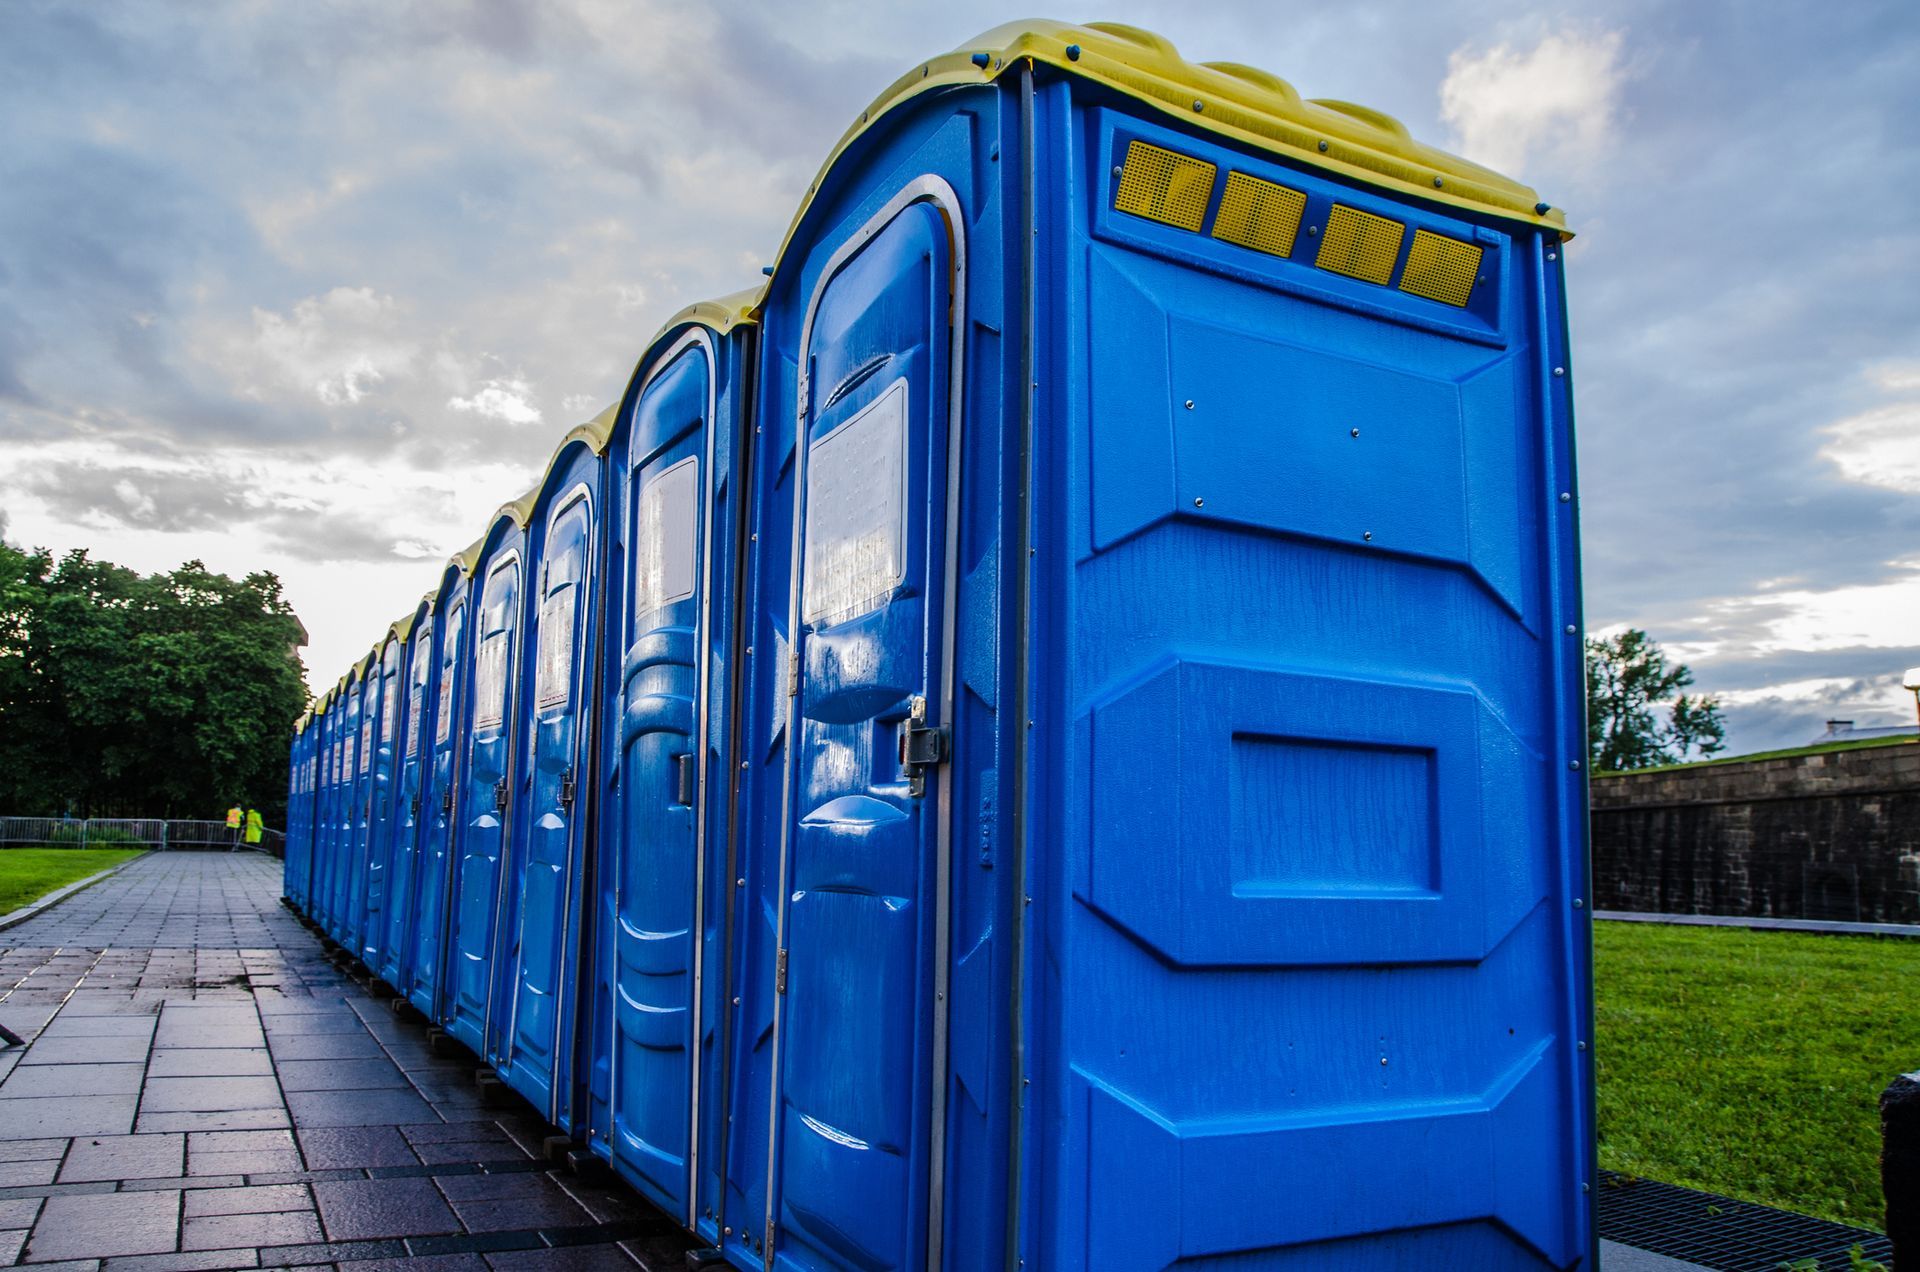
(327, 1046)
(228, 1120)
(224, 1232)
(238, 1141)
(336, 1075)
(259, 1162)
(198, 1202)
(596, 1258)
(64, 1026)
(19, 1212)
(328, 1147)
(497, 1203)
(124, 1157)
(210, 1037)
(190, 1261)
(210, 1062)
(426, 1263)
(23, 1174)
(208, 1095)
(86, 1050)
(12, 1241)
(356, 1108)
(383, 1208)
(35, 1150)
(104, 1225)
(66, 1115)
(72, 1079)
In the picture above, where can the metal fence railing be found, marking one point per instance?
(157, 833)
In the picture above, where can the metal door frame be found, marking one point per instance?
(695, 337)
(927, 188)
(510, 696)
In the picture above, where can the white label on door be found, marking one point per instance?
(856, 505)
(554, 683)
(664, 537)
(490, 683)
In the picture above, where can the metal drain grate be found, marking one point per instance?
(1721, 1233)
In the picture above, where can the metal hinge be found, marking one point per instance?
(500, 795)
(922, 746)
(683, 779)
(780, 972)
(793, 674)
(413, 807)
(566, 790)
(767, 1249)
(446, 803)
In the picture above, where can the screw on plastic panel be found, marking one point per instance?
(740, 882)
(1073, 52)
(1566, 496)
(1199, 502)
(1553, 256)
(1559, 370)
(1586, 1188)
(1353, 432)
(1189, 404)
(1574, 765)
(1313, 229)
(981, 60)
(1323, 147)
(1583, 1046)
(1541, 208)
(1198, 104)
(1368, 536)
(1579, 903)
(1569, 629)
(1437, 183)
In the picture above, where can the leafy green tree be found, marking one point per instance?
(151, 695)
(1630, 684)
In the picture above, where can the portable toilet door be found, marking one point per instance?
(322, 804)
(373, 918)
(396, 942)
(539, 966)
(486, 781)
(354, 900)
(340, 868)
(872, 303)
(426, 973)
(665, 766)
(296, 770)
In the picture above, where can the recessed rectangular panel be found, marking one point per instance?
(490, 682)
(1316, 818)
(1259, 214)
(554, 681)
(1441, 268)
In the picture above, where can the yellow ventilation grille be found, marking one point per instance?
(1259, 214)
(1163, 186)
(1440, 268)
(1360, 244)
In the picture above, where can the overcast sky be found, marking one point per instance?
(315, 287)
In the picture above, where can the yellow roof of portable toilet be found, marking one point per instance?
(1241, 103)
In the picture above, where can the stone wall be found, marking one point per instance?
(1833, 835)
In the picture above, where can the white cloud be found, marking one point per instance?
(506, 399)
(1872, 615)
(1503, 102)
(1881, 446)
(340, 345)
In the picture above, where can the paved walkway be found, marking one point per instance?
(204, 1090)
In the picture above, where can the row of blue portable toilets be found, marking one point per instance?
(1048, 736)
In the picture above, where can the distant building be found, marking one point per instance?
(1843, 731)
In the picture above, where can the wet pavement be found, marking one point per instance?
(203, 1089)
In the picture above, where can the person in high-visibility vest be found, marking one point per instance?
(234, 818)
(254, 825)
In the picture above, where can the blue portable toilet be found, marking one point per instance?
(372, 910)
(539, 962)
(445, 745)
(485, 793)
(333, 915)
(660, 894)
(321, 758)
(353, 879)
(410, 762)
(1172, 736)
(295, 843)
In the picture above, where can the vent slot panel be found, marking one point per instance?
(1441, 268)
(1164, 186)
(1360, 244)
(1259, 214)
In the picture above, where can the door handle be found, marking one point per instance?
(566, 790)
(500, 795)
(683, 779)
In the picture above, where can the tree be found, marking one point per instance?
(157, 695)
(1629, 680)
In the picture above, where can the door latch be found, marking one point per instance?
(446, 802)
(500, 795)
(683, 779)
(566, 790)
(922, 746)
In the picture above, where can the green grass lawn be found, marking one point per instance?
(1751, 1063)
(29, 873)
